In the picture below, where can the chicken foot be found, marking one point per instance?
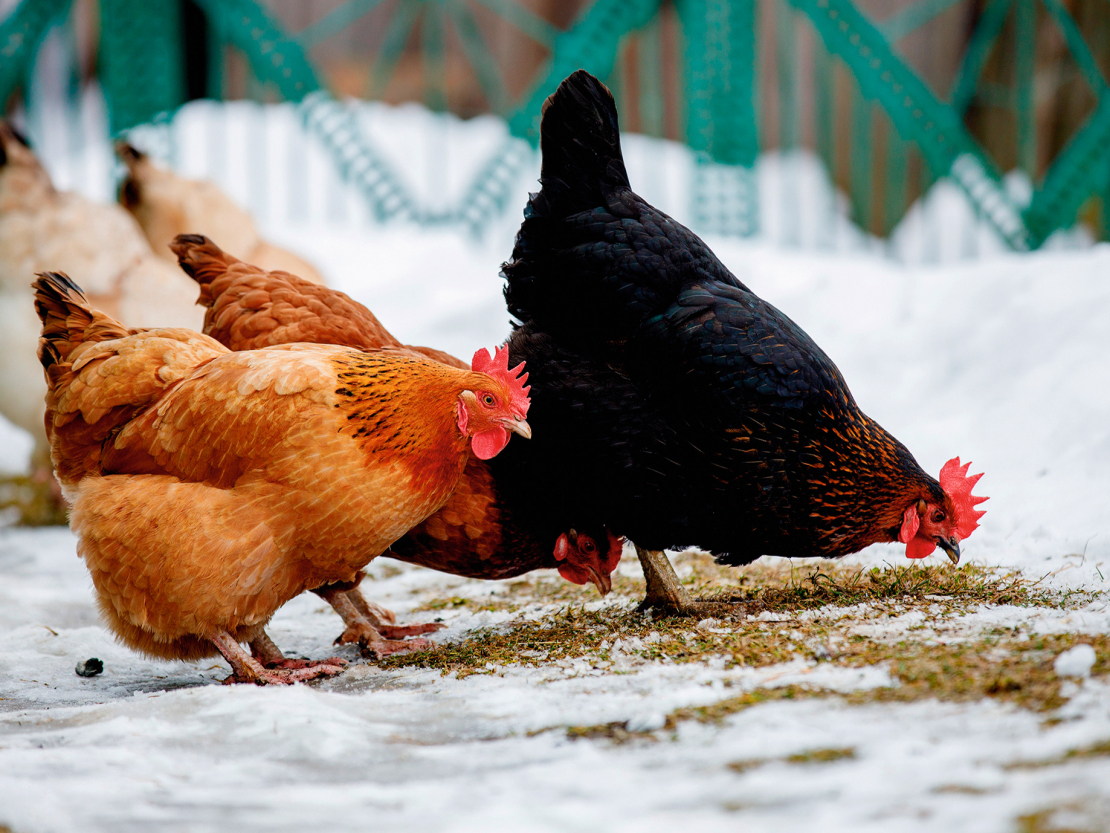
(267, 665)
(363, 630)
(665, 592)
(384, 620)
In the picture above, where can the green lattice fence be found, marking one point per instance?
(902, 133)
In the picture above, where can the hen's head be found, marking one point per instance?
(943, 519)
(583, 557)
(23, 181)
(495, 403)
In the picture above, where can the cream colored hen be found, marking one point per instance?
(167, 205)
(42, 228)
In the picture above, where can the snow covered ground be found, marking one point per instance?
(1004, 361)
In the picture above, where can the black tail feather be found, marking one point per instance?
(581, 145)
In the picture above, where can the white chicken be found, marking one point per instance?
(42, 229)
(167, 205)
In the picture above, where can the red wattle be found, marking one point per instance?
(920, 547)
(573, 574)
(489, 444)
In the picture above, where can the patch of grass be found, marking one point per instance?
(617, 732)
(1042, 822)
(784, 587)
(746, 765)
(34, 501)
(821, 756)
(1095, 750)
(960, 789)
(1002, 664)
(812, 586)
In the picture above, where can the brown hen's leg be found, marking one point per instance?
(266, 652)
(374, 612)
(249, 669)
(361, 629)
(385, 621)
(665, 592)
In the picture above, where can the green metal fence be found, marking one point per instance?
(926, 133)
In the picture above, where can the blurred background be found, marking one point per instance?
(930, 130)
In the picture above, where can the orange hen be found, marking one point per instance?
(209, 487)
(483, 531)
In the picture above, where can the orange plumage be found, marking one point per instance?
(209, 487)
(480, 532)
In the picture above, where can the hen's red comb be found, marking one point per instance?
(497, 366)
(955, 481)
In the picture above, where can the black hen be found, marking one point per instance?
(673, 404)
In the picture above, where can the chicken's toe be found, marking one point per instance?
(401, 631)
(286, 676)
(385, 647)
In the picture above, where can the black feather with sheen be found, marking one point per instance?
(669, 401)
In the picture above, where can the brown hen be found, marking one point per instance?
(209, 487)
(481, 532)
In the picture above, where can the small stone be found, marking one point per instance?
(89, 667)
(1075, 662)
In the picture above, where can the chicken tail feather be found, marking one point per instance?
(67, 319)
(581, 144)
(203, 261)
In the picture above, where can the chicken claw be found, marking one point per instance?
(384, 620)
(366, 626)
(384, 647)
(277, 669)
(665, 593)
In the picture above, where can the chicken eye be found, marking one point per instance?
(588, 546)
(488, 400)
(938, 516)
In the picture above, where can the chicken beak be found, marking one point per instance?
(951, 547)
(603, 583)
(518, 425)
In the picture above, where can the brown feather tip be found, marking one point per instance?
(191, 250)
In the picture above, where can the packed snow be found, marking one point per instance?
(1004, 361)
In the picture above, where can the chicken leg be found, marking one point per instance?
(365, 630)
(665, 592)
(267, 665)
(383, 620)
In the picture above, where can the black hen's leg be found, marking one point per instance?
(665, 592)
(666, 595)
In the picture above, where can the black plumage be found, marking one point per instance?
(669, 401)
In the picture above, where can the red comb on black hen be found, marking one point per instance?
(672, 403)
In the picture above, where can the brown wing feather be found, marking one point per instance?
(250, 308)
